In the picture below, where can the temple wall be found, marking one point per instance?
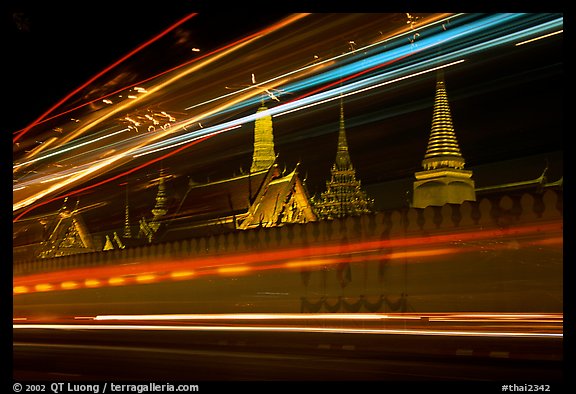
(499, 213)
(495, 254)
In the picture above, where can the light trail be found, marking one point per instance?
(540, 37)
(446, 316)
(363, 75)
(104, 71)
(280, 24)
(69, 148)
(90, 172)
(318, 65)
(94, 169)
(149, 149)
(203, 61)
(379, 331)
(92, 186)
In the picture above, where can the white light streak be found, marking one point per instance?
(337, 95)
(186, 141)
(63, 150)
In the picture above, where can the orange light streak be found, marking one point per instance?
(105, 163)
(116, 281)
(92, 283)
(156, 271)
(78, 191)
(290, 329)
(20, 289)
(104, 71)
(285, 22)
(69, 285)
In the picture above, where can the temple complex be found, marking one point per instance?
(268, 197)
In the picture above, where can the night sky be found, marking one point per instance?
(507, 110)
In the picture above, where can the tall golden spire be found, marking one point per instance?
(443, 150)
(264, 155)
(444, 179)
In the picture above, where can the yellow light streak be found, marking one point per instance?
(44, 287)
(92, 283)
(308, 263)
(233, 270)
(539, 37)
(116, 281)
(68, 285)
(20, 290)
(259, 316)
(89, 172)
(146, 278)
(182, 274)
(41, 147)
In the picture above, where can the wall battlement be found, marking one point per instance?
(494, 213)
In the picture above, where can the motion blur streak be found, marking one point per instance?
(126, 154)
(339, 316)
(287, 329)
(95, 77)
(64, 150)
(540, 37)
(386, 61)
(134, 169)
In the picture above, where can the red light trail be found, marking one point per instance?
(104, 71)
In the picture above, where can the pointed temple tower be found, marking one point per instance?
(264, 155)
(149, 228)
(344, 195)
(127, 231)
(444, 179)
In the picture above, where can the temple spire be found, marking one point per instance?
(127, 232)
(343, 161)
(443, 150)
(264, 155)
(344, 195)
(443, 179)
(160, 209)
(148, 229)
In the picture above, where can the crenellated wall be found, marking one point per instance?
(488, 213)
(499, 254)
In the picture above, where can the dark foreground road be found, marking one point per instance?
(222, 354)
